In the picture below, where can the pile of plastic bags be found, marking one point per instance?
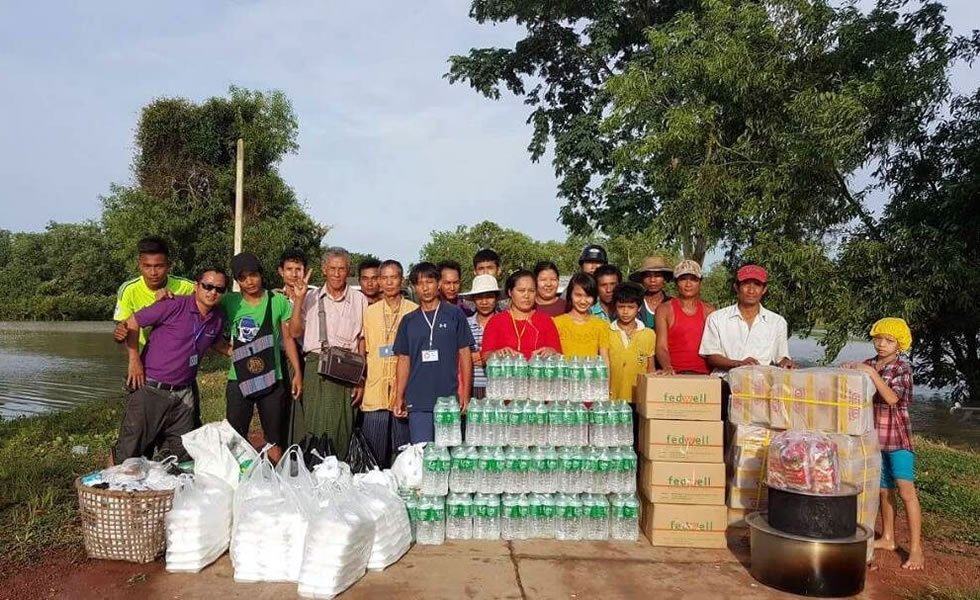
(135, 475)
(199, 524)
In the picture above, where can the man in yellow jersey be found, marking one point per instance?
(154, 283)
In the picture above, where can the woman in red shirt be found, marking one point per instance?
(521, 329)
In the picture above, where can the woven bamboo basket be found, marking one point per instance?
(123, 525)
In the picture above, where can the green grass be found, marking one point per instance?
(948, 483)
(38, 506)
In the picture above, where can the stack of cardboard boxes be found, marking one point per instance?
(682, 468)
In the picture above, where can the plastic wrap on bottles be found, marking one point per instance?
(804, 461)
(199, 524)
(829, 400)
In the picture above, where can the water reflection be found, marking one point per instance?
(50, 366)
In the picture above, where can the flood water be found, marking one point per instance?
(50, 366)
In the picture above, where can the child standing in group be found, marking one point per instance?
(582, 334)
(892, 376)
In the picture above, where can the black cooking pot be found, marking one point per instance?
(818, 516)
(809, 567)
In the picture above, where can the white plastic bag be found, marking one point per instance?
(270, 527)
(338, 546)
(392, 529)
(218, 450)
(407, 467)
(199, 524)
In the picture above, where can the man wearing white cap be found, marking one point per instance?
(484, 295)
(680, 323)
(746, 333)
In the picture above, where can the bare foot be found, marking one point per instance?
(916, 560)
(885, 544)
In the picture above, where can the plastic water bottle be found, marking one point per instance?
(607, 467)
(435, 471)
(486, 517)
(588, 377)
(459, 517)
(625, 519)
(412, 506)
(597, 417)
(589, 467)
(491, 371)
(581, 425)
(462, 475)
(628, 465)
(539, 431)
(521, 378)
(602, 379)
(597, 517)
(474, 422)
(535, 377)
(555, 428)
(575, 380)
(510, 515)
(569, 470)
(432, 520)
(545, 522)
(569, 518)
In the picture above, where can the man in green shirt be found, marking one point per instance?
(153, 283)
(258, 320)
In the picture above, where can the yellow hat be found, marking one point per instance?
(895, 328)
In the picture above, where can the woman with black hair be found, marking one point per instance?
(546, 298)
(521, 329)
(582, 334)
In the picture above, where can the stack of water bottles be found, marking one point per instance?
(546, 455)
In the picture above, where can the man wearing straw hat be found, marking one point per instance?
(654, 274)
(484, 296)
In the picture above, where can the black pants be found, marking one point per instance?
(154, 417)
(384, 434)
(271, 406)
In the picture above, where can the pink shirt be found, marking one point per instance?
(345, 319)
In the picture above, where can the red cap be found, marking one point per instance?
(752, 272)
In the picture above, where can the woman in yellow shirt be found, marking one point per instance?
(631, 344)
(583, 334)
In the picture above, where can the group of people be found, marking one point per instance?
(439, 344)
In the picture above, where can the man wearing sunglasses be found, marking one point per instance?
(161, 406)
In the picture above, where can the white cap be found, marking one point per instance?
(483, 284)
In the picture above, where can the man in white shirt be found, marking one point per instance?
(746, 333)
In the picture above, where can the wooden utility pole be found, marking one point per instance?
(239, 196)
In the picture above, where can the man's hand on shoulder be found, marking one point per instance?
(162, 294)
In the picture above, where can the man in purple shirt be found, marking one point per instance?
(161, 404)
(450, 273)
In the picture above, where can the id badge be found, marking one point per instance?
(193, 361)
(386, 351)
(430, 356)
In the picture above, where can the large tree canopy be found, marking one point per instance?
(715, 120)
(185, 171)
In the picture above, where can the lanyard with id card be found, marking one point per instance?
(192, 361)
(431, 354)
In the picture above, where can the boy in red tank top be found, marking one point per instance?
(680, 324)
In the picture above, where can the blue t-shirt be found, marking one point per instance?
(430, 380)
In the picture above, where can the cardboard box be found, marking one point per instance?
(684, 525)
(683, 397)
(683, 483)
(682, 441)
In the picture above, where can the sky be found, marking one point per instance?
(389, 150)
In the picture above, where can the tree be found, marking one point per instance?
(923, 264)
(185, 175)
(716, 121)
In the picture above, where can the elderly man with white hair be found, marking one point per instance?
(333, 317)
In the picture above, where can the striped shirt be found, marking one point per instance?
(479, 373)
